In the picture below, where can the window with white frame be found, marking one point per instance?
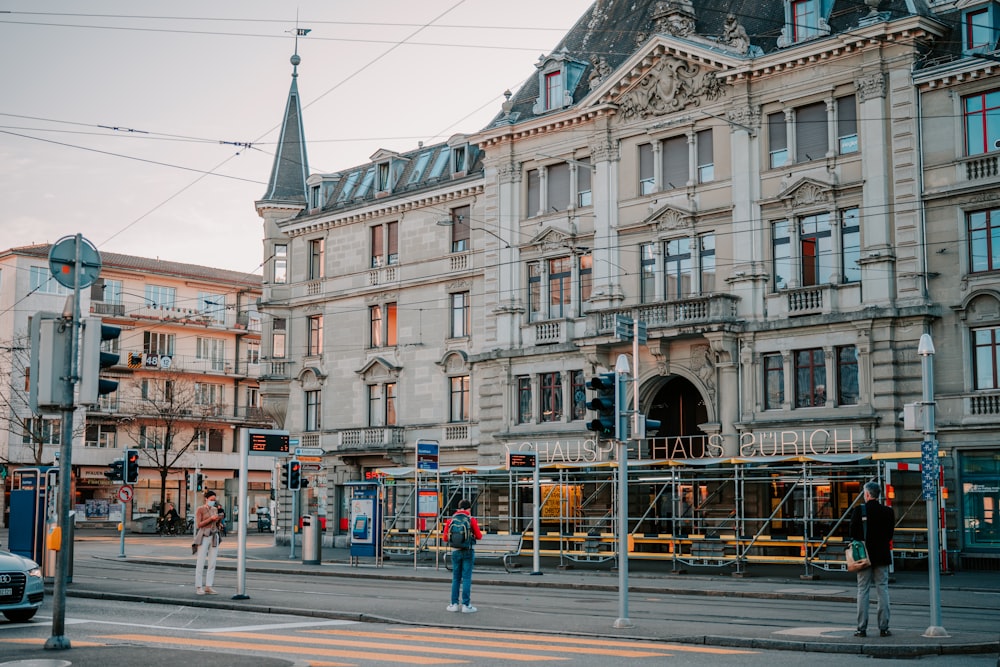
(151, 437)
(313, 415)
(42, 281)
(278, 334)
(279, 264)
(584, 193)
(104, 436)
(157, 343)
(461, 315)
(549, 189)
(42, 431)
(160, 296)
(157, 391)
(208, 440)
(212, 306)
(382, 404)
(108, 291)
(253, 352)
(705, 156)
(459, 403)
(213, 350)
(207, 393)
(382, 325)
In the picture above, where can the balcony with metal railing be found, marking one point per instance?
(137, 360)
(143, 310)
(150, 409)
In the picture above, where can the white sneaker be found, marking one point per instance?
(468, 609)
(452, 607)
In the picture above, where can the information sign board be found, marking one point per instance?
(268, 442)
(427, 455)
(522, 460)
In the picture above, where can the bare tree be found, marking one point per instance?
(167, 419)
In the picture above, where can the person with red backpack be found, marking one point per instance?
(461, 532)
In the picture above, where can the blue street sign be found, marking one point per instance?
(929, 471)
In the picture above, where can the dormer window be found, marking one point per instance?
(804, 20)
(979, 28)
(558, 77)
(458, 158)
(314, 201)
(383, 176)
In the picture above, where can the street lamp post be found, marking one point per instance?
(929, 481)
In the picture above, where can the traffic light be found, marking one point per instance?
(115, 471)
(647, 427)
(199, 481)
(50, 340)
(294, 475)
(604, 404)
(131, 466)
(93, 360)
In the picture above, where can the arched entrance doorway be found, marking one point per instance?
(679, 407)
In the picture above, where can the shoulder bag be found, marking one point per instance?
(857, 552)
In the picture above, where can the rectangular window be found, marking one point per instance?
(560, 296)
(647, 261)
(212, 306)
(419, 167)
(810, 378)
(982, 122)
(586, 277)
(314, 346)
(535, 291)
(677, 268)
(157, 343)
(805, 19)
(382, 404)
(111, 291)
(150, 437)
(816, 245)
(43, 282)
(847, 124)
(810, 132)
(383, 176)
(158, 296)
(208, 440)
(41, 431)
(551, 405)
(157, 390)
(313, 412)
(984, 240)
(440, 161)
(557, 177)
(352, 180)
(774, 382)
(523, 400)
(375, 338)
(578, 390)
(253, 352)
(382, 320)
(279, 265)
(390, 324)
(104, 436)
(584, 196)
(706, 253)
(777, 137)
(850, 234)
(781, 254)
(461, 315)
(316, 248)
(459, 399)
(460, 228)
(553, 90)
(706, 161)
(390, 404)
(314, 197)
(675, 163)
(392, 243)
(213, 350)
(458, 160)
(278, 338)
(979, 32)
(847, 375)
(366, 183)
(207, 394)
(987, 362)
(534, 193)
(647, 179)
(378, 248)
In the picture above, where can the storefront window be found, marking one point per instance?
(981, 497)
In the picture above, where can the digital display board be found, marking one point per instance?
(522, 460)
(268, 443)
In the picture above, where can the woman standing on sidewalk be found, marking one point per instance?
(206, 542)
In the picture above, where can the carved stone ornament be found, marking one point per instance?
(604, 150)
(509, 173)
(674, 17)
(599, 70)
(670, 85)
(734, 35)
(670, 220)
(871, 87)
(747, 116)
(806, 193)
(703, 365)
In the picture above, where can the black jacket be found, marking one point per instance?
(881, 522)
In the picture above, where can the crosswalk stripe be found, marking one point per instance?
(466, 652)
(285, 648)
(523, 643)
(585, 641)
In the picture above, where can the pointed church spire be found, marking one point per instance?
(291, 166)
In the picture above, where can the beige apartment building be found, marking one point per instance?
(189, 354)
(787, 199)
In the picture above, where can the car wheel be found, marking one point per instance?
(20, 615)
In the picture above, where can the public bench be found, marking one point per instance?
(493, 546)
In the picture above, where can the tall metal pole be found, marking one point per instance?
(622, 368)
(241, 517)
(929, 466)
(59, 640)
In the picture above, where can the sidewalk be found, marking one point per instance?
(767, 583)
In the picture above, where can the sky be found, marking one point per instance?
(149, 128)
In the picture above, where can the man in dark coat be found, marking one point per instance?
(873, 523)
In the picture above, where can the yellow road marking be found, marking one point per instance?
(521, 644)
(283, 648)
(583, 640)
(471, 653)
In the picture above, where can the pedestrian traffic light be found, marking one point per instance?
(131, 466)
(49, 387)
(115, 471)
(647, 427)
(604, 403)
(199, 482)
(93, 360)
(294, 475)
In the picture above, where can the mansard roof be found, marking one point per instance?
(611, 32)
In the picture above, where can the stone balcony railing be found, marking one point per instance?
(710, 309)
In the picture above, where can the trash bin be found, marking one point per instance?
(312, 540)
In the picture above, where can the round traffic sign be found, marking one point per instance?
(64, 266)
(125, 493)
